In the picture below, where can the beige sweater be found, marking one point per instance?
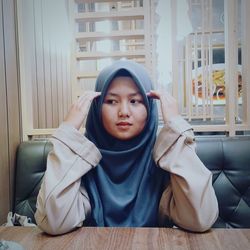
(189, 200)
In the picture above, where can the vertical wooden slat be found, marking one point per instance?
(147, 35)
(68, 84)
(231, 55)
(153, 43)
(27, 67)
(181, 80)
(38, 10)
(53, 57)
(174, 50)
(210, 60)
(206, 75)
(210, 77)
(65, 49)
(64, 86)
(66, 89)
(74, 64)
(196, 87)
(245, 53)
(4, 152)
(188, 77)
(59, 84)
(203, 61)
(236, 100)
(47, 67)
(33, 63)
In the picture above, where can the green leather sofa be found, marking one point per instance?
(228, 159)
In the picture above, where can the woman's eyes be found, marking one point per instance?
(111, 101)
(136, 101)
(132, 101)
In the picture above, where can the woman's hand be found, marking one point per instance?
(80, 108)
(169, 106)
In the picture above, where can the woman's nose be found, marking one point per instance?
(124, 110)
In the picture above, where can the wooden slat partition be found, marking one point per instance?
(44, 45)
(127, 38)
(50, 80)
(196, 86)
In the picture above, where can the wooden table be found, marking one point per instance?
(129, 238)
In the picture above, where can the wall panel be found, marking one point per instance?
(9, 103)
(12, 85)
(4, 159)
(44, 43)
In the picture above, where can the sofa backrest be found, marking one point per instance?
(229, 160)
(227, 157)
(31, 160)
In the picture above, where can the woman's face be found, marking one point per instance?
(124, 113)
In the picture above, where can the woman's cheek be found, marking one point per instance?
(108, 112)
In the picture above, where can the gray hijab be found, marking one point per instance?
(126, 186)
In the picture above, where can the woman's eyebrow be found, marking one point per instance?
(112, 94)
(135, 94)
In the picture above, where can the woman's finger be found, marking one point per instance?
(169, 106)
(80, 108)
(88, 96)
(86, 99)
(153, 94)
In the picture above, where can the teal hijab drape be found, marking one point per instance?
(126, 186)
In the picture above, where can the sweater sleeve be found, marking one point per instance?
(63, 203)
(189, 200)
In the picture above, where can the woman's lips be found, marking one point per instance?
(123, 125)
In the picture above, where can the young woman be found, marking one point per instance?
(120, 173)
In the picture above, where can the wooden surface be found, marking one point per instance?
(129, 238)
